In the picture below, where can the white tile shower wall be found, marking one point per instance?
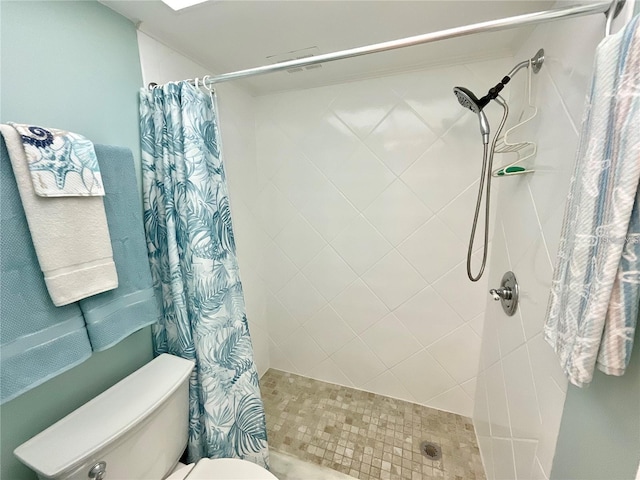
(161, 64)
(367, 197)
(521, 389)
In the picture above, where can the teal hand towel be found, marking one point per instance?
(37, 339)
(111, 316)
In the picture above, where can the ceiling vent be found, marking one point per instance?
(296, 55)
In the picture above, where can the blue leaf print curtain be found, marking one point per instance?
(195, 272)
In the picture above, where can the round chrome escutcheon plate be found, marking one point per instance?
(511, 304)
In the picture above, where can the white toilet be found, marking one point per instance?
(135, 430)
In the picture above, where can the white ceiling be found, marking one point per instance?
(224, 36)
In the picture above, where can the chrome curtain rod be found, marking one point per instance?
(611, 8)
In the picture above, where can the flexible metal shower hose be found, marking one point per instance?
(487, 158)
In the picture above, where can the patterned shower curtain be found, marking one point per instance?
(195, 272)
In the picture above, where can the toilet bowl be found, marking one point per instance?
(137, 429)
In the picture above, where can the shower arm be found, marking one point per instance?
(535, 63)
(521, 65)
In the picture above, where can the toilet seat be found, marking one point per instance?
(222, 469)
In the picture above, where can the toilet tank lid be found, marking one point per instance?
(102, 420)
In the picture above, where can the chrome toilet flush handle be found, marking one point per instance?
(507, 294)
(98, 471)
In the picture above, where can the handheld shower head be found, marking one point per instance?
(468, 100)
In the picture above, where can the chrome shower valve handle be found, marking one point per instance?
(502, 292)
(507, 294)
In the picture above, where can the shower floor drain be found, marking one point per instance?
(431, 450)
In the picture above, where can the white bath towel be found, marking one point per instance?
(70, 235)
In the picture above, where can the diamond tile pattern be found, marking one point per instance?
(329, 273)
(394, 280)
(433, 236)
(319, 167)
(397, 212)
(362, 168)
(354, 107)
(520, 394)
(300, 297)
(400, 138)
(328, 143)
(361, 245)
(359, 306)
(364, 247)
(271, 197)
(299, 241)
(329, 330)
(391, 340)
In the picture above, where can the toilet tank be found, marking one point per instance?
(139, 427)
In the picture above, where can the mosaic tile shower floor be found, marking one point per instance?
(364, 435)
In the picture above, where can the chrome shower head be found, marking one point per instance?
(468, 100)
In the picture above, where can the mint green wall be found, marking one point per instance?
(71, 65)
(600, 430)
